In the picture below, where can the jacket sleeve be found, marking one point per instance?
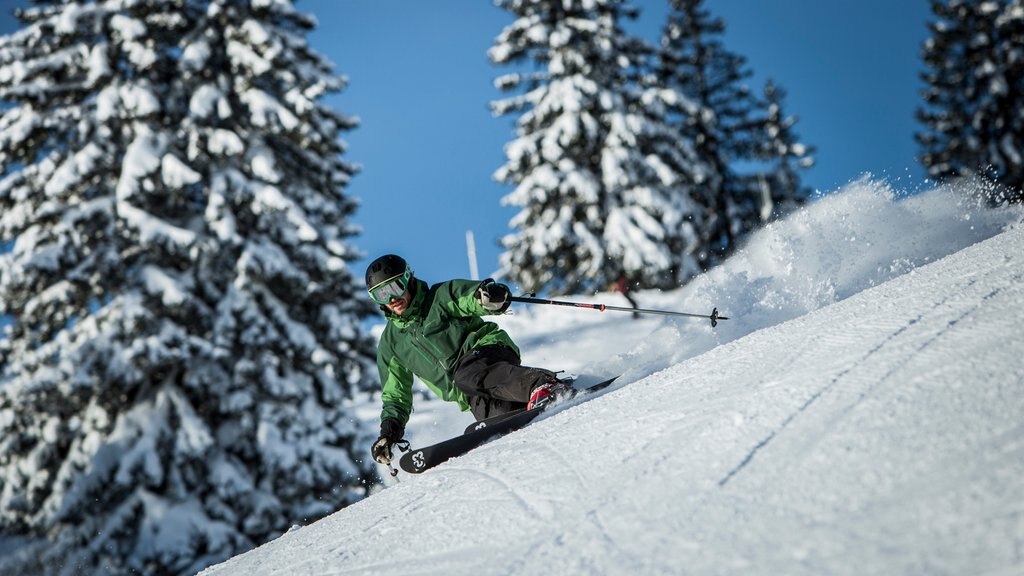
(461, 298)
(396, 395)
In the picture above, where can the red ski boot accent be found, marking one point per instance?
(551, 390)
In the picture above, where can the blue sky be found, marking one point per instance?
(420, 83)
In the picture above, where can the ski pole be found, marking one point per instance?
(714, 317)
(400, 445)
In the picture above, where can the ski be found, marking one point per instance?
(421, 459)
(480, 424)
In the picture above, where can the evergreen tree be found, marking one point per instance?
(783, 155)
(185, 325)
(695, 62)
(603, 181)
(974, 92)
(730, 127)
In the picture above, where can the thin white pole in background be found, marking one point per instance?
(474, 273)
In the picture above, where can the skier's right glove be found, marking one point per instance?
(391, 431)
(493, 296)
(382, 451)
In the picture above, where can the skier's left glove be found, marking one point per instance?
(391, 432)
(493, 296)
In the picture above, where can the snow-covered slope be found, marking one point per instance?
(860, 413)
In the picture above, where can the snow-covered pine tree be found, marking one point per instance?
(783, 155)
(173, 388)
(604, 183)
(974, 92)
(695, 62)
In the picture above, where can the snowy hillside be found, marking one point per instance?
(860, 413)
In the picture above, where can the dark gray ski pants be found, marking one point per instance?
(495, 380)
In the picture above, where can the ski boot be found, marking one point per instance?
(550, 390)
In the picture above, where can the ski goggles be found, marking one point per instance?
(392, 288)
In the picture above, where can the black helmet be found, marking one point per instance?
(384, 268)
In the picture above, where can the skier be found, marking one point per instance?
(625, 286)
(437, 333)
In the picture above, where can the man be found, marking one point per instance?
(625, 286)
(437, 333)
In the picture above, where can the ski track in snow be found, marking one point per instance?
(803, 408)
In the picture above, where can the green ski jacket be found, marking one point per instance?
(441, 325)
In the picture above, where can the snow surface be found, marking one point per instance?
(859, 413)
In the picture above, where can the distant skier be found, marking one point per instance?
(625, 286)
(437, 333)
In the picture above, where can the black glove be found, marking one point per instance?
(381, 450)
(493, 296)
(391, 431)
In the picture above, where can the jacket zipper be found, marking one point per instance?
(419, 340)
